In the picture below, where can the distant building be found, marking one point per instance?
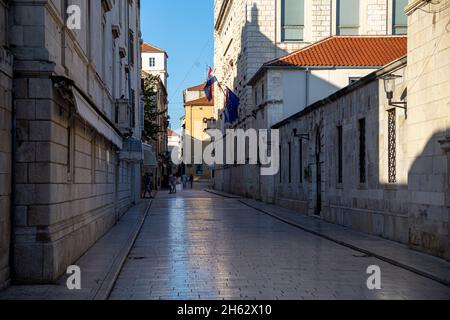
(174, 149)
(174, 141)
(197, 111)
(288, 84)
(154, 61)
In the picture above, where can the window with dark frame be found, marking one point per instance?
(399, 18)
(352, 80)
(93, 160)
(281, 166)
(263, 94)
(362, 151)
(300, 155)
(292, 20)
(347, 18)
(290, 162)
(132, 50)
(340, 154)
(70, 151)
(133, 108)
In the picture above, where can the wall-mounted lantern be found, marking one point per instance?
(389, 88)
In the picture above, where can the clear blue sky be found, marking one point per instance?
(185, 29)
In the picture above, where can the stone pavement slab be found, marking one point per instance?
(100, 265)
(387, 250)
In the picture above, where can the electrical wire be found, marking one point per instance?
(192, 66)
(436, 46)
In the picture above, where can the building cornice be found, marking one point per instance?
(224, 9)
(414, 5)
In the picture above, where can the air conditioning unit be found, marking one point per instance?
(123, 115)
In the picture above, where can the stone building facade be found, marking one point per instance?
(428, 138)
(77, 96)
(155, 63)
(5, 145)
(345, 158)
(160, 145)
(361, 160)
(249, 33)
(354, 159)
(197, 110)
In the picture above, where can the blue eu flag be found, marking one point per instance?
(231, 106)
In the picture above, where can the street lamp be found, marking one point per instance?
(389, 87)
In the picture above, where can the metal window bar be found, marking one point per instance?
(392, 146)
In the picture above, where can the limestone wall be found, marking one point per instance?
(71, 187)
(429, 125)
(406, 204)
(373, 206)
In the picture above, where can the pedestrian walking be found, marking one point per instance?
(148, 185)
(191, 181)
(184, 181)
(172, 184)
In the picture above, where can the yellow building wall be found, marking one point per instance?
(195, 130)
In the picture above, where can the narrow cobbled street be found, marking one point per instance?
(197, 245)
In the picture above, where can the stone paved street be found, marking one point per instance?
(197, 245)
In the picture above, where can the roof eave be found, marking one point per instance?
(264, 68)
(391, 67)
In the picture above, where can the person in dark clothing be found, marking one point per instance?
(191, 181)
(148, 185)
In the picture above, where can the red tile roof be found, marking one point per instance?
(200, 102)
(351, 51)
(171, 133)
(148, 48)
(199, 87)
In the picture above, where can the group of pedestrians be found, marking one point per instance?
(173, 181)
